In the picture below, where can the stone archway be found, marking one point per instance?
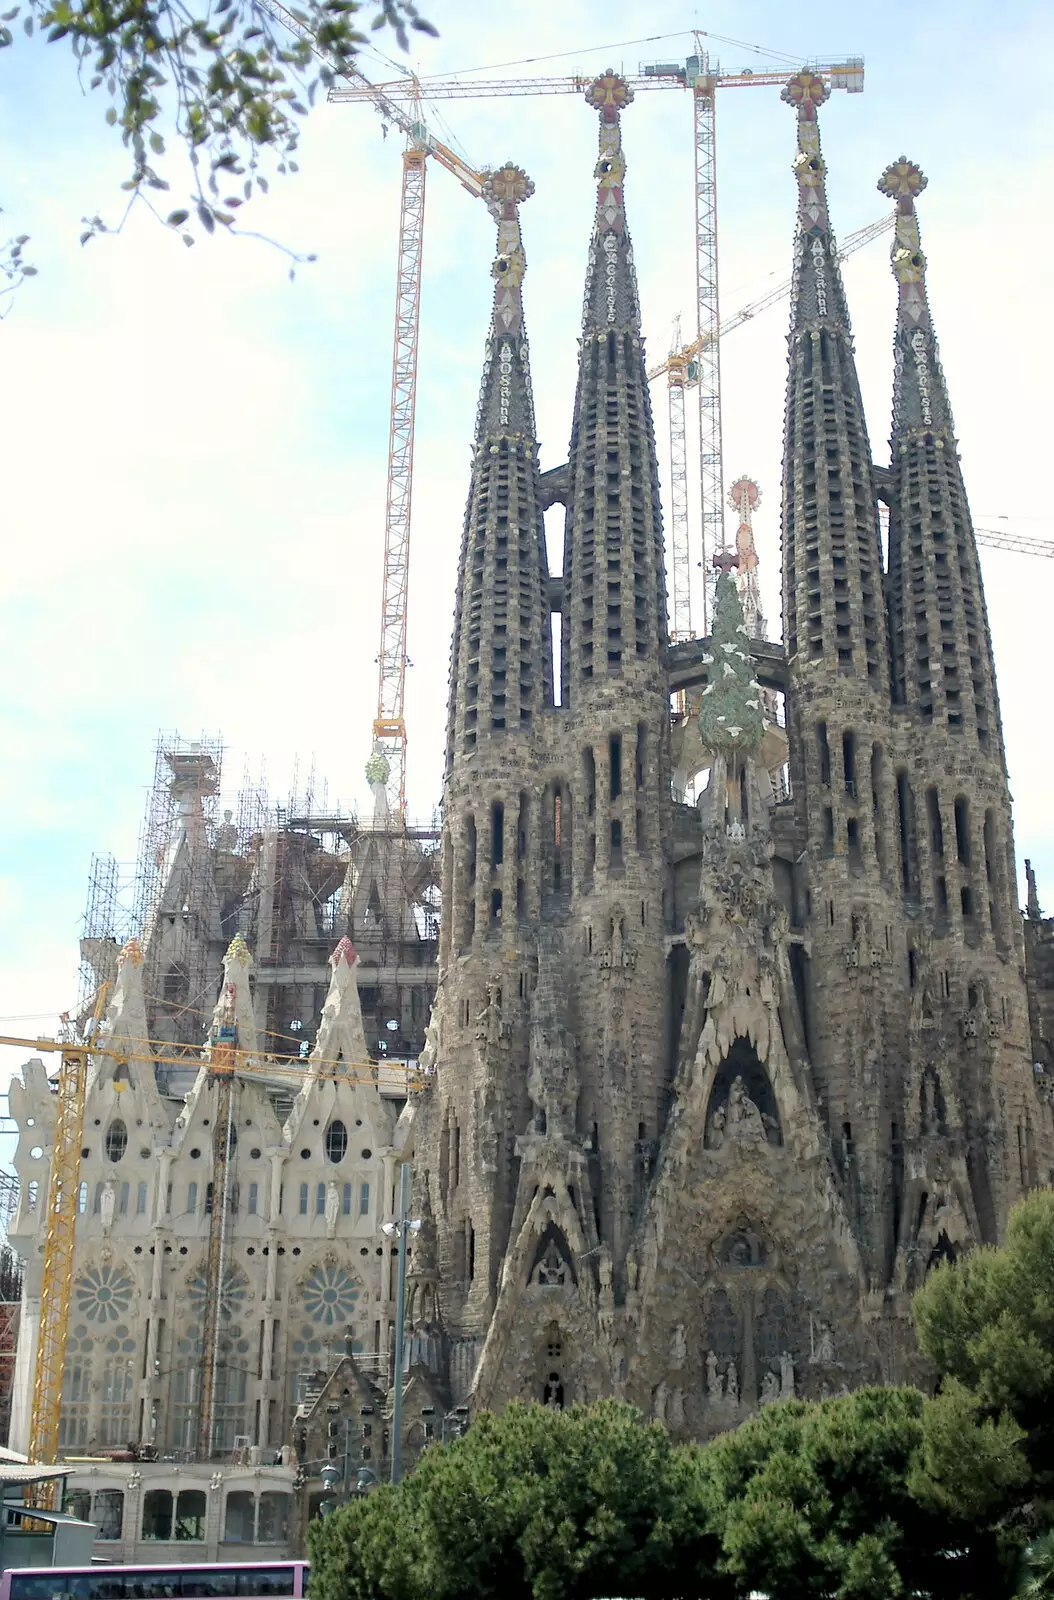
(742, 1103)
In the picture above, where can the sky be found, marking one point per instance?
(194, 447)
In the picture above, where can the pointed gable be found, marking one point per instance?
(341, 1037)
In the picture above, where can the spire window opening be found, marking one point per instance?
(589, 770)
(962, 830)
(497, 834)
(933, 812)
(615, 765)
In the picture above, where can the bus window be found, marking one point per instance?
(163, 1585)
(209, 1581)
(261, 1581)
(107, 1586)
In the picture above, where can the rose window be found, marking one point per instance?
(330, 1294)
(232, 1295)
(104, 1294)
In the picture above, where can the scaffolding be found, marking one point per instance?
(109, 919)
(11, 1271)
(178, 902)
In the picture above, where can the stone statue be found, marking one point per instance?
(824, 1348)
(108, 1204)
(786, 1376)
(715, 1136)
(770, 1388)
(488, 1020)
(732, 1383)
(678, 1346)
(332, 1209)
(744, 1121)
(551, 1271)
(659, 1403)
(714, 1384)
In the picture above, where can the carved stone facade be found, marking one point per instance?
(305, 1272)
(715, 1086)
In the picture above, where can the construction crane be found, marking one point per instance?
(1024, 544)
(696, 76)
(403, 110)
(684, 371)
(222, 1055)
(57, 1270)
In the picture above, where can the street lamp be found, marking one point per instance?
(399, 1229)
(330, 1479)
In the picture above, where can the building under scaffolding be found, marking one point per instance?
(293, 880)
(261, 958)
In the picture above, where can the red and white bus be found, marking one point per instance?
(237, 1580)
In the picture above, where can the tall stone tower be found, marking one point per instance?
(713, 1086)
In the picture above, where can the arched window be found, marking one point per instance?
(272, 1525)
(239, 1517)
(157, 1514)
(108, 1513)
(336, 1141)
(190, 1514)
(116, 1140)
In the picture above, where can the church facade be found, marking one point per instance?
(715, 1085)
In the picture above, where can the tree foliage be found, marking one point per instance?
(869, 1496)
(805, 1500)
(987, 1321)
(223, 76)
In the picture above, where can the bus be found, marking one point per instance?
(235, 1580)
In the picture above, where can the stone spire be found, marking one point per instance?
(340, 1036)
(501, 659)
(614, 582)
(942, 665)
(125, 1019)
(832, 572)
(233, 1017)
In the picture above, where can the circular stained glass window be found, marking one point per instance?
(104, 1294)
(330, 1294)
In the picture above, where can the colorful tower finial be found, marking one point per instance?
(238, 951)
(506, 404)
(920, 398)
(345, 951)
(505, 191)
(611, 287)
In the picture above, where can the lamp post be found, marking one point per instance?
(399, 1229)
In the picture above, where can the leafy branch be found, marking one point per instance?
(223, 80)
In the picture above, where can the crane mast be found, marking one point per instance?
(389, 728)
(711, 473)
(222, 1058)
(57, 1275)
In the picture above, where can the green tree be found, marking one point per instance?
(841, 1498)
(223, 76)
(987, 1321)
(1037, 1570)
(586, 1502)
